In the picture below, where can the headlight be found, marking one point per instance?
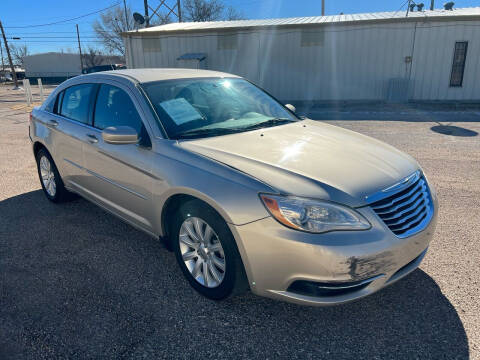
(313, 215)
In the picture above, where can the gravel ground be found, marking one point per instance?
(75, 282)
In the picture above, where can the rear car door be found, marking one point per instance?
(119, 174)
(69, 122)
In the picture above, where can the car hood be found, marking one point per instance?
(311, 159)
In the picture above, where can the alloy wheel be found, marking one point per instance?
(48, 176)
(202, 252)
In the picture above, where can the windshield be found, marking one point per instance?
(193, 108)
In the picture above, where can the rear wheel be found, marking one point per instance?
(206, 251)
(50, 179)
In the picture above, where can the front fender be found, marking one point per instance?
(233, 194)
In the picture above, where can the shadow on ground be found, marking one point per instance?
(453, 130)
(76, 282)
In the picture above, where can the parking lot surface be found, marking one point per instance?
(76, 282)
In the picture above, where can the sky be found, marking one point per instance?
(16, 13)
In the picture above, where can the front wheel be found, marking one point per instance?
(206, 251)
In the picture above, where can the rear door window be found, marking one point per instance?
(76, 103)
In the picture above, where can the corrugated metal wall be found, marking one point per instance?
(354, 62)
(434, 47)
(52, 65)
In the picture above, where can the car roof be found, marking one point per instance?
(148, 75)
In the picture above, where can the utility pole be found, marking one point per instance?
(79, 48)
(179, 11)
(408, 7)
(323, 7)
(432, 4)
(14, 74)
(126, 16)
(147, 19)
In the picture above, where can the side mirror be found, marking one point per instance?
(119, 135)
(291, 107)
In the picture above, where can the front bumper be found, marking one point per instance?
(278, 259)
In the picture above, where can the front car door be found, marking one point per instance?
(119, 175)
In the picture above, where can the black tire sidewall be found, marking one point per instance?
(233, 261)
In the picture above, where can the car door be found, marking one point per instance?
(70, 122)
(119, 174)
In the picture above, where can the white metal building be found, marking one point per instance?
(427, 56)
(57, 66)
(52, 64)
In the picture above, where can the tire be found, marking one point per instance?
(233, 277)
(54, 189)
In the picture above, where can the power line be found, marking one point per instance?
(55, 32)
(58, 41)
(63, 21)
(50, 37)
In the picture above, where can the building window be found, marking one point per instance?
(151, 45)
(312, 37)
(458, 66)
(227, 42)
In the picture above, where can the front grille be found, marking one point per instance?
(408, 211)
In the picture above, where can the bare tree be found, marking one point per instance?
(3, 60)
(92, 57)
(109, 27)
(19, 52)
(208, 10)
(113, 22)
(202, 10)
(232, 14)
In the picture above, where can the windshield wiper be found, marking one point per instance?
(267, 123)
(195, 133)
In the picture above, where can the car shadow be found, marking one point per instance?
(77, 282)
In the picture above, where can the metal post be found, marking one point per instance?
(40, 87)
(80, 50)
(14, 74)
(26, 86)
(30, 91)
(432, 4)
(147, 20)
(323, 7)
(179, 11)
(126, 16)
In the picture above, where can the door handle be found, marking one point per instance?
(92, 138)
(52, 123)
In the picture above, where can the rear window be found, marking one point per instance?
(76, 102)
